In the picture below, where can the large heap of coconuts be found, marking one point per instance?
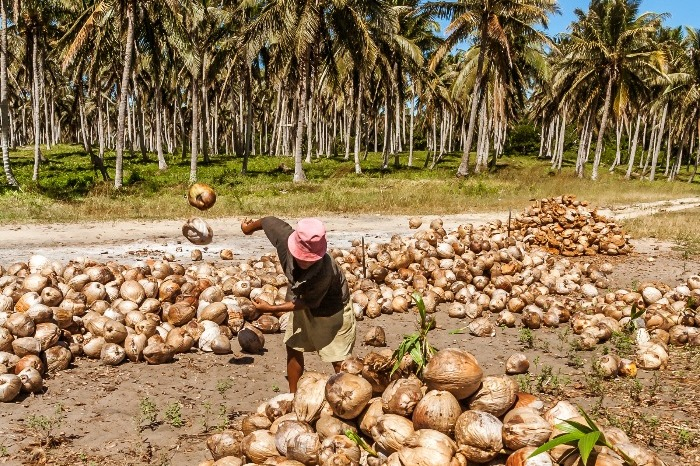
(52, 312)
(452, 416)
(566, 226)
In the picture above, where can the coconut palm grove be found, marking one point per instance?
(306, 79)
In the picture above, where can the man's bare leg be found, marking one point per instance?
(295, 367)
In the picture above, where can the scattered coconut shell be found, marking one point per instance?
(201, 195)
(496, 395)
(251, 339)
(375, 336)
(517, 364)
(197, 231)
(454, 370)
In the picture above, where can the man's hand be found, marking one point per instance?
(264, 306)
(248, 226)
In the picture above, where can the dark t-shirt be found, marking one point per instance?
(322, 286)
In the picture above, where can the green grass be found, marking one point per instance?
(69, 190)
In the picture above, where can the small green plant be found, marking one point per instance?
(275, 388)
(524, 383)
(636, 313)
(148, 414)
(3, 451)
(583, 437)
(526, 337)
(574, 359)
(635, 390)
(223, 385)
(549, 382)
(686, 438)
(205, 419)
(360, 442)
(222, 420)
(416, 344)
(623, 343)
(655, 386)
(173, 414)
(594, 380)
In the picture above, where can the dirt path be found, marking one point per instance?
(131, 240)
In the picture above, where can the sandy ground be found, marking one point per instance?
(131, 240)
(92, 414)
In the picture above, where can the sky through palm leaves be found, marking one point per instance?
(681, 13)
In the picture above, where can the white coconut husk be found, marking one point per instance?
(478, 436)
(309, 399)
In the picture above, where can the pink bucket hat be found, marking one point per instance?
(308, 241)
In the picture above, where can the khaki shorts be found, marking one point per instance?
(333, 337)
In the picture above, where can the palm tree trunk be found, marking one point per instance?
(4, 105)
(249, 118)
(140, 123)
(669, 145)
(42, 95)
(539, 156)
(601, 130)
(206, 130)
(697, 157)
(346, 122)
(387, 133)
(618, 152)
(659, 140)
(310, 120)
(410, 131)
(397, 131)
(432, 144)
(551, 131)
(123, 94)
(552, 149)
(675, 168)
(358, 128)
(194, 141)
(299, 175)
(100, 125)
(54, 133)
(376, 143)
(162, 165)
(276, 122)
(463, 169)
(131, 126)
(581, 154)
(36, 97)
(97, 162)
(644, 142)
(562, 133)
(108, 125)
(282, 128)
(633, 149)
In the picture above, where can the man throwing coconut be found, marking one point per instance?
(318, 298)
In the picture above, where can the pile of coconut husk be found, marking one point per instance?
(452, 415)
(52, 312)
(564, 225)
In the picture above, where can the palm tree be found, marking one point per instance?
(36, 20)
(493, 25)
(610, 47)
(690, 90)
(4, 105)
(307, 31)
